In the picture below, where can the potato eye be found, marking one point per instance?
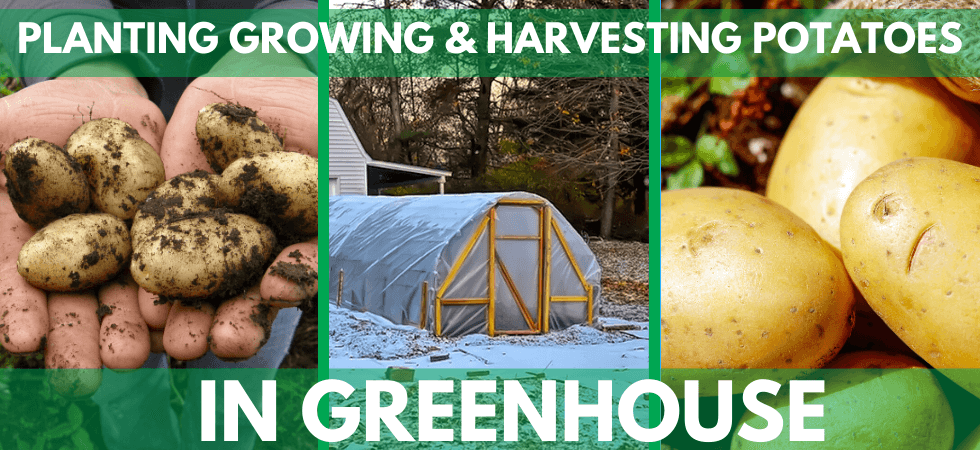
(885, 207)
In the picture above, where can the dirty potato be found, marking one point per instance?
(44, 182)
(122, 168)
(210, 255)
(185, 194)
(280, 189)
(75, 252)
(227, 132)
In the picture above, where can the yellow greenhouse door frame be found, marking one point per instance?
(539, 323)
(498, 270)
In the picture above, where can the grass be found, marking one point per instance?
(8, 79)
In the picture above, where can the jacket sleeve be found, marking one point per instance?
(310, 58)
(61, 14)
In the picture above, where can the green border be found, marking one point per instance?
(323, 312)
(654, 201)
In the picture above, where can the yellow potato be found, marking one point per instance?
(189, 193)
(214, 254)
(849, 127)
(881, 409)
(910, 237)
(44, 183)
(121, 167)
(227, 132)
(76, 252)
(747, 284)
(279, 189)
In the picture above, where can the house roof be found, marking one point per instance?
(388, 174)
(408, 168)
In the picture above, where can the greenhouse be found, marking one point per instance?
(499, 263)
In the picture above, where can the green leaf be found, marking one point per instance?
(727, 85)
(728, 166)
(59, 431)
(711, 149)
(82, 440)
(733, 64)
(75, 416)
(689, 176)
(676, 151)
(670, 70)
(678, 87)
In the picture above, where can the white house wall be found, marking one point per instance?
(348, 161)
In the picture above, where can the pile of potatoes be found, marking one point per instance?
(868, 240)
(107, 218)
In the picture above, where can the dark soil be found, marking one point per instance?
(304, 351)
(753, 130)
(236, 113)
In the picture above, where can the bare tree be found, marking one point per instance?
(594, 125)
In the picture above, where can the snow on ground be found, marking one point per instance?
(365, 340)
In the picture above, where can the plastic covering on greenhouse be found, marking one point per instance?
(498, 263)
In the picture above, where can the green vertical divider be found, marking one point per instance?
(654, 201)
(323, 311)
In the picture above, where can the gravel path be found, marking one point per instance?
(625, 278)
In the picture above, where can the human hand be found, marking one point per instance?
(289, 107)
(51, 111)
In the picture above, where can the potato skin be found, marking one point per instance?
(747, 284)
(44, 182)
(909, 236)
(962, 87)
(865, 409)
(124, 338)
(122, 168)
(75, 253)
(210, 255)
(849, 127)
(227, 132)
(188, 193)
(280, 189)
(73, 343)
(870, 359)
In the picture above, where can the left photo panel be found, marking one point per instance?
(159, 220)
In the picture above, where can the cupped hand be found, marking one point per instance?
(289, 107)
(51, 111)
